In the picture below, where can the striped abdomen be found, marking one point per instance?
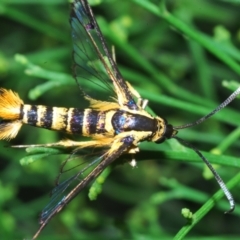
(85, 122)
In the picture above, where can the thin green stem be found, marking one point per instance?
(206, 208)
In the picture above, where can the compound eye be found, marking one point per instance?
(169, 133)
(160, 140)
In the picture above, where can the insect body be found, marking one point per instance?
(114, 121)
(116, 126)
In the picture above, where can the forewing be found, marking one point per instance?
(72, 172)
(67, 190)
(92, 59)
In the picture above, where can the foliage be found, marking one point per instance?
(182, 56)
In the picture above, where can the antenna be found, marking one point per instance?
(215, 174)
(217, 109)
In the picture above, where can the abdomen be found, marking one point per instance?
(84, 122)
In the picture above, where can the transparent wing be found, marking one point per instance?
(67, 190)
(72, 172)
(92, 59)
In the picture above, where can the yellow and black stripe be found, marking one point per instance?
(86, 122)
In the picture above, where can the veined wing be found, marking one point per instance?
(77, 182)
(93, 61)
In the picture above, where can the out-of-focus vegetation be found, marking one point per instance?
(177, 54)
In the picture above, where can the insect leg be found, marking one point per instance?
(67, 143)
(142, 103)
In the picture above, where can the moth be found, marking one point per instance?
(115, 127)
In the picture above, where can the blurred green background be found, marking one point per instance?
(178, 60)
